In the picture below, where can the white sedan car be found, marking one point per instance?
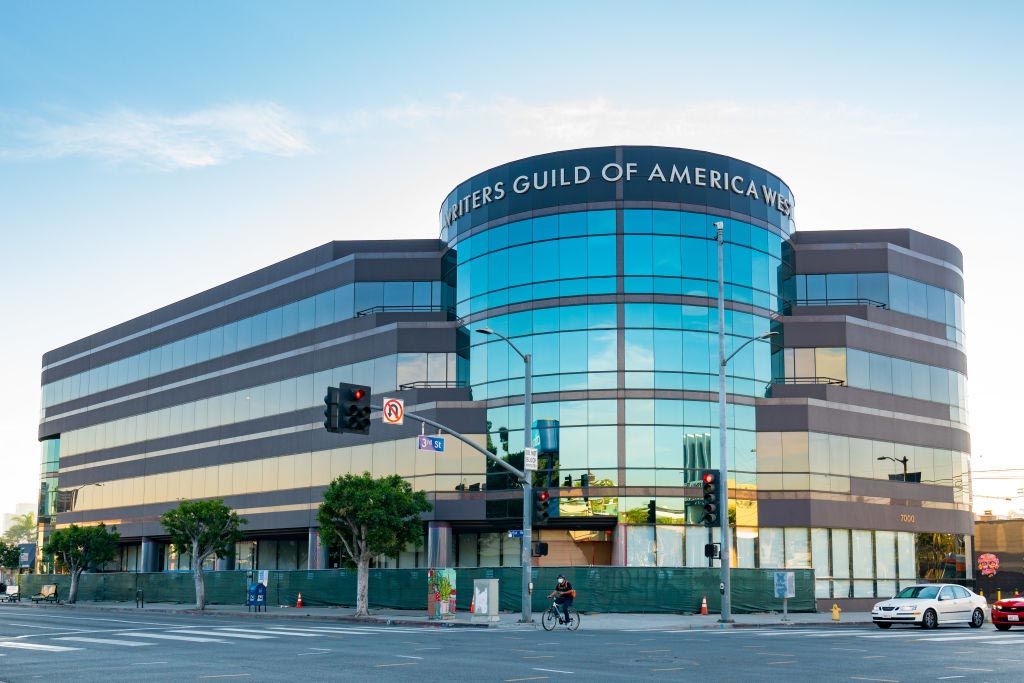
(931, 604)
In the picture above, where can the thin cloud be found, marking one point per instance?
(206, 137)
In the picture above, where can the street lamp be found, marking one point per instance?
(903, 460)
(723, 360)
(527, 549)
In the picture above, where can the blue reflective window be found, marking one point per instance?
(638, 255)
(307, 314)
(600, 222)
(637, 220)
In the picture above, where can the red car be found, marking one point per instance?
(1008, 612)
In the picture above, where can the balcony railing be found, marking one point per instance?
(433, 384)
(407, 309)
(840, 302)
(809, 380)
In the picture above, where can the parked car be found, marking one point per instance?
(931, 604)
(1008, 612)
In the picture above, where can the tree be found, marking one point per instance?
(22, 529)
(81, 548)
(10, 556)
(365, 517)
(204, 528)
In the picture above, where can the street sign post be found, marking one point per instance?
(515, 533)
(530, 460)
(392, 411)
(430, 444)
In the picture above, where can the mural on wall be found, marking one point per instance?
(988, 564)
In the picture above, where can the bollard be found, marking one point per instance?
(835, 612)
(999, 594)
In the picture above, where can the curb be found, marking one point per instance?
(371, 620)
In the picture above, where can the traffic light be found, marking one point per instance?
(355, 408)
(332, 410)
(541, 502)
(712, 498)
(652, 512)
(540, 549)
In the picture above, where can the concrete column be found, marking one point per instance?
(313, 549)
(619, 545)
(321, 552)
(147, 555)
(440, 544)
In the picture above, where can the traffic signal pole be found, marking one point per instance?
(527, 556)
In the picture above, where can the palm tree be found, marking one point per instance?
(22, 529)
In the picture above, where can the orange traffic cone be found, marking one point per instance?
(298, 603)
(472, 605)
(704, 605)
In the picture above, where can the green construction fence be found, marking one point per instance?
(599, 589)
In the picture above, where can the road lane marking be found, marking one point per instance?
(666, 650)
(674, 668)
(19, 645)
(874, 656)
(946, 678)
(409, 657)
(967, 668)
(14, 623)
(529, 678)
(850, 649)
(880, 680)
(105, 641)
(171, 636)
(119, 621)
(397, 664)
(538, 656)
(553, 671)
(227, 676)
(222, 634)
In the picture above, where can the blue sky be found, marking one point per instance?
(152, 150)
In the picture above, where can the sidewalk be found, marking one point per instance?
(509, 620)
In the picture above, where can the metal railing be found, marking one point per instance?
(840, 302)
(433, 384)
(808, 380)
(405, 309)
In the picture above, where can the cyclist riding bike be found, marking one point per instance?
(563, 594)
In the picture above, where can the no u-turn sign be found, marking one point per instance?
(393, 411)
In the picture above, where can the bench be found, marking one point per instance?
(47, 594)
(11, 595)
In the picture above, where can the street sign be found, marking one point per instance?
(515, 533)
(430, 444)
(530, 460)
(785, 585)
(393, 411)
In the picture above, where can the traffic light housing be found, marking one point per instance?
(712, 498)
(541, 503)
(540, 549)
(652, 512)
(332, 410)
(355, 408)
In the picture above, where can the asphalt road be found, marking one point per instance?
(85, 645)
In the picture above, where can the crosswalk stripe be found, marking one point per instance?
(942, 639)
(22, 645)
(287, 632)
(337, 631)
(916, 634)
(1001, 640)
(105, 641)
(171, 636)
(221, 634)
(769, 634)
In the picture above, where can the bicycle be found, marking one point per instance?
(553, 616)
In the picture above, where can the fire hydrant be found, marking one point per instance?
(835, 612)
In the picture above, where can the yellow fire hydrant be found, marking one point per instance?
(835, 612)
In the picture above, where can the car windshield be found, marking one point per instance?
(923, 592)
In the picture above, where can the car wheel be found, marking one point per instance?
(880, 624)
(1002, 627)
(978, 618)
(930, 620)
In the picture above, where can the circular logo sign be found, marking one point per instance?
(393, 411)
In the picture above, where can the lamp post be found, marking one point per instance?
(723, 360)
(527, 548)
(904, 460)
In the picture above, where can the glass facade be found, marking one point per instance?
(325, 308)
